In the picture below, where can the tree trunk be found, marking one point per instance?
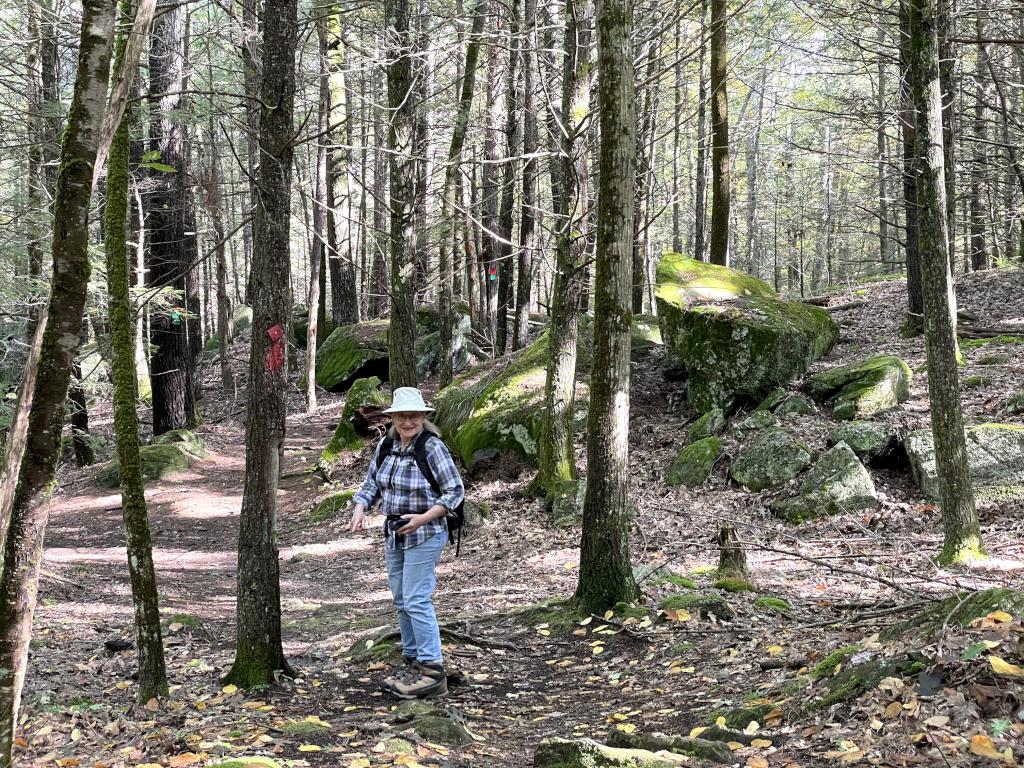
(318, 252)
(720, 189)
(252, 54)
(448, 254)
(528, 213)
(880, 138)
(344, 291)
(979, 159)
(959, 517)
(62, 324)
(402, 105)
(142, 573)
(701, 172)
(606, 572)
(491, 193)
(171, 361)
(677, 119)
(732, 560)
(947, 84)
(259, 653)
(506, 215)
(908, 125)
(557, 457)
(80, 439)
(379, 294)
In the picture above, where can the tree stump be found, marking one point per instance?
(732, 560)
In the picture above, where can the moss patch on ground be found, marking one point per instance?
(773, 604)
(734, 584)
(958, 610)
(827, 666)
(702, 605)
(331, 506)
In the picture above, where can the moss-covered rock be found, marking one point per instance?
(756, 711)
(703, 749)
(868, 439)
(158, 461)
(794, 404)
(957, 610)
(300, 326)
(855, 680)
(431, 723)
(585, 753)
(772, 399)
(499, 406)
(773, 605)
(995, 453)
(352, 352)
(976, 382)
(380, 645)
(753, 421)
(703, 605)
(996, 358)
(185, 439)
(827, 666)
(732, 333)
(465, 351)
(863, 388)
(770, 460)
(694, 463)
(362, 393)
(837, 483)
(708, 425)
(331, 506)
(1012, 406)
(734, 584)
(645, 333)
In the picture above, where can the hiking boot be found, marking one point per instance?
(429, 682)
(399, 673)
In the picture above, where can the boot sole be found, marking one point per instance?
(426, 695)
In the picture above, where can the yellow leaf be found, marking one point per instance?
(544, 632)
(775, 650)
(229, 689)
(761, 743)
(698, 731)
(359, 762)
(609, 614)
(310, 748)
(1001, 667)
(720, 722)
(893, 709)
(185, 758)
(757, 762)
(76, 734)
(752, 727)
(1001, 617)
(626, 727)
(69, 762)
(598, 649)
(982, 746)
(586, 621)
(734, 745)
(317, 721)
(853, 756)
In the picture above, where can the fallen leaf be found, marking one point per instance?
(1001, 667)
(983, 746)
(761, 743)
(698, 731)
(757, 762)
(893, 709)
(310, 748)
(937, 721)
(229, 689)
(185, 758)
(153, 705)
(752, 727)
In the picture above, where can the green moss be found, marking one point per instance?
(644, 333)
(865, 438)
(302, 727)
(362, 393)
(863, 388)
(331, 506)
(245, 762)
(853, 681)
(702, 570)
(973, 382)
(158, 461)
(681, 581)
(378, 646)
(773, 458)
(348, 350)
(827, 666)
(629, 611)
(958, 610)
(186, 439)
(584, 753)
(774, 604)
(711, 423)
(494, 407)
(754, 420)
(703, 605)
(559, 615)
(772, 399)
(732, 333)
(734, 584)
(242, 317)
(740, 718)
(187, 621)
(993, 359)
(794, 404)
(695, 462)
(1004, 339)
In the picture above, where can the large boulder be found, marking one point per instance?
(995, 453)
(771, 459)
(863, 388)
(735, 337)
(362, 393)
(465, 351)
(645, 333)
(353, 352)
(837, 483)
(241, 318)
(498, 406)
(694, 463)
(171, 452)
(870, 440)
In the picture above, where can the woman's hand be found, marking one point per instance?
(358, 519)
(412, 522)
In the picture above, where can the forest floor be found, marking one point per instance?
(846, 579)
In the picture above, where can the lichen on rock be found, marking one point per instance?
(863, 388)
(694, 463)
(995, 453)
(735, 337)
(770, 460)
(837, 483)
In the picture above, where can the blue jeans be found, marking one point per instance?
(412, 579)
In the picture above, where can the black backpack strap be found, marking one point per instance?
(419, 450)
(385, 447)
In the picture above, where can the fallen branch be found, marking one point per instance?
(989, 331)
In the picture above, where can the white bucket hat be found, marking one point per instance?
(408, 400)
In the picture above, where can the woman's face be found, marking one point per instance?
(408, 424)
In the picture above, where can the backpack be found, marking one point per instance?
(456, 517)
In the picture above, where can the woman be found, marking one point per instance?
(415, 535)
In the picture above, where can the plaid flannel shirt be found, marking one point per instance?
(403, 490)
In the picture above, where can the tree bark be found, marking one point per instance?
(911, 237)
(318, 251)
(258, 652)
(142, 573)
(557, 456)
(22, 547)
(506, 215)
(402, 164)
(720, 187)
(80, 440)
(959, 517)
(701, 172)
(606, 572)
(528, 213)
(979, 159)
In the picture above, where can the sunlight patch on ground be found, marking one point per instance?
(163, 558)
(334, 547)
